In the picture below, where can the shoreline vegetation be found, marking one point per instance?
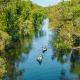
(65, 21)
(22, 19)
(18, 19)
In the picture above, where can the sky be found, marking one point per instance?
(45, 3)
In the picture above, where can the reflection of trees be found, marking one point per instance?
(39, 33)
(13, 56)
(2, 67)
(63, 75)
(61, 47)
(73, 58)
(61, 55)
(75, 62)
(74, 69)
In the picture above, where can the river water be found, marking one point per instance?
(22, 61)
(51, 68)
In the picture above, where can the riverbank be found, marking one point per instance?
(65, 18)
(18, 20)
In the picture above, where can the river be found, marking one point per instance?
(22, 61)
(51, 68)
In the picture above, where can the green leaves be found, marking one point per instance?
(4, 40)
(65, 17)
(2, 67)
(19, 19)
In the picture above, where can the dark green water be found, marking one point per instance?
(22, 63)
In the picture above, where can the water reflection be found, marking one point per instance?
(57, 64)
(70, 58)
(13, 55)
(61, 56)
(39, 34)
(75, 60)
(43, 30)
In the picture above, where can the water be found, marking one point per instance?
(49, 69)
(22, 63)
(34, 70)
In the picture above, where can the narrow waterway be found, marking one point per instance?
(49, 69)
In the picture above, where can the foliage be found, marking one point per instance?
(65, 19)
(4, 40)
(2, 67)
(19, 19)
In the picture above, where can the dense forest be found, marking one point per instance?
(20, 19)
(65, 20)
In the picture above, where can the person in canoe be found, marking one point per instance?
(40, 58)
(44, 49)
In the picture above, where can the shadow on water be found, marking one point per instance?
(39, 34)
(75, 60)
(14, 55)
(70, 63)
(21, 63)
